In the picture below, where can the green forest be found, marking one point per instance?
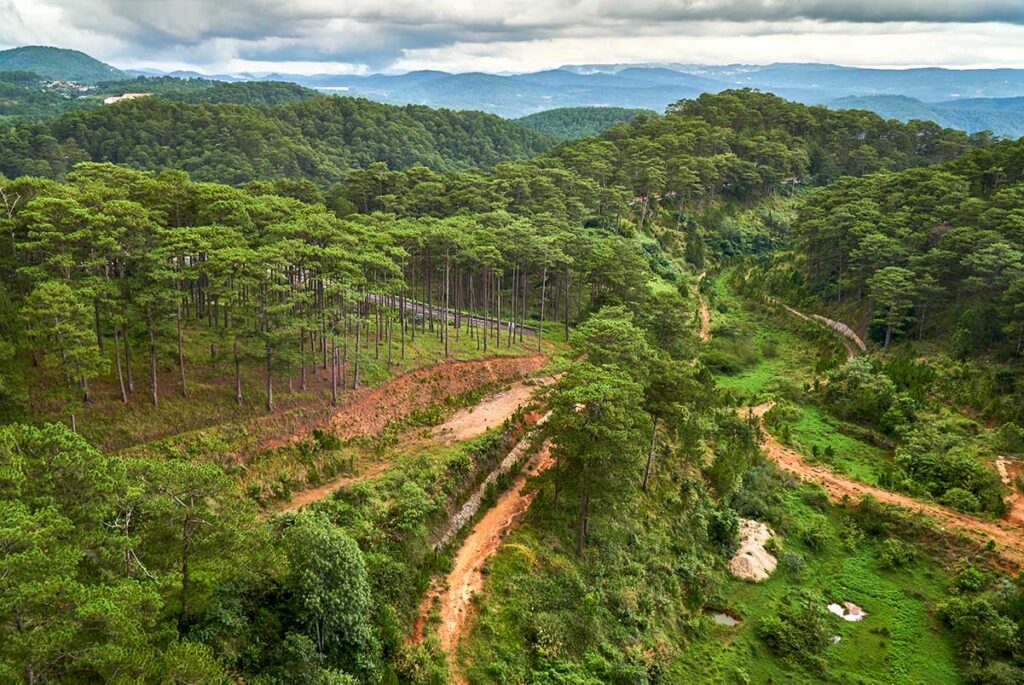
(307, 389)
(571, 123)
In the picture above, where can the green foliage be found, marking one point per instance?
(895, 553)
(328, 576)
(57, 64)
(570, 123)
(236, 143)
(799, 630)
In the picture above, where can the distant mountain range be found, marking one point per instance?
(1002, 116)
(969, 99)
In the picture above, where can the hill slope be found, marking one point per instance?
(569, 123)
(320, 138)
(1002, 116)
(58, 64)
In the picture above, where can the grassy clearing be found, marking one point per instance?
(898, 642)
(818, 436)
(751, 353)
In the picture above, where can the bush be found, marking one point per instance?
(723, 529)
(983, 633)
(969, 580)
(814, 533)
(998, 673)
(799, 630)
(960, 499)
(793, 564)
(894, 553)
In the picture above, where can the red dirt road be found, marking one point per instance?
(466, 576)
(1009, 537)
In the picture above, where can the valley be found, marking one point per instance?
(307, 389)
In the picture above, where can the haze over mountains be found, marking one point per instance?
(969, 99)
(655, 86)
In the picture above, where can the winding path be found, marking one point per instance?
(1010, 538)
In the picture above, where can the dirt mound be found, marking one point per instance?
(369, 410)
(1009, 470)
(470, 422)
(752, 561)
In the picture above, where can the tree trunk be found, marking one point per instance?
(152, 366)
(543, 292)
(127, 357)
(567, 298)
(355, 357)
(238, 373)
(96, 316)
(181, 355)
(270, 383)
(120, 372)
(334, 371)
(302, 359)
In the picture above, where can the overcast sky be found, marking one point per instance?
(342, 36)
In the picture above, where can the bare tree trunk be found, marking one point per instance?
(334, 372)
(127, 357)
(120, 372)
(152, 366)
(543, 293)
(270, 382)
(355, 357)
(302, 359)
(96, 316)
(238, 373)
(181, 354)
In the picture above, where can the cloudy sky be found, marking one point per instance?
(358, 36)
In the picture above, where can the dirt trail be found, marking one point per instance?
(705, 311)
(470, 422)
(1010, 538)
(373, 409)
(311, 495)
(466, 577)
(369, 410)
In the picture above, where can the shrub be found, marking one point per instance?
(969, 580)
(793, 564)
(814, 533)
(960, 499)
(799, 630)
(723, 529)
(983, 633)
(894, 553)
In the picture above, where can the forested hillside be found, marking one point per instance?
(57, 64)
(419, 398)
(570, 123)
(1002, 116)
(319, 138)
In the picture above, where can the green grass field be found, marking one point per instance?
(898, 642)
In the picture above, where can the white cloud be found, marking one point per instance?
(307, 36)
